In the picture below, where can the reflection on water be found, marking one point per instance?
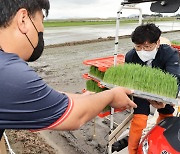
(58, 35)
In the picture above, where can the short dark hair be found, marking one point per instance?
(146, 33)
(9, 8)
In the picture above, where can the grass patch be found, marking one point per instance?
(75, 23)
(86, 22)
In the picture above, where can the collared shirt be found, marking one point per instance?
(26, 101)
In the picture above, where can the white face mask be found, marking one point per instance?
(147, 55)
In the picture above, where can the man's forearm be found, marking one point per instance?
(87, 107)
(2, 147)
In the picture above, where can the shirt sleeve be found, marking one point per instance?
(173, 66)
(27, 102)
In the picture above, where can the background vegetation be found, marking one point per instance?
(109, 21)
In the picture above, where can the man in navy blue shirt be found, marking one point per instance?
(26, 101)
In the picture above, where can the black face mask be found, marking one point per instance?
(38, 50)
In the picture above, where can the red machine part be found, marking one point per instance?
(156, 142)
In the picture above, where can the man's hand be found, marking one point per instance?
(156, 104)
(121, 99)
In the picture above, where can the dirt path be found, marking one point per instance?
(61, 67)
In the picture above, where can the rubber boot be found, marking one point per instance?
(162, 116)
(119, 145)
(138, 123)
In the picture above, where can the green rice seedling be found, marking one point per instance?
(107, 108)
(175, 42)
(143, 78)
(92, 86)
(95, 72)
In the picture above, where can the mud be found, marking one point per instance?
(61, 66)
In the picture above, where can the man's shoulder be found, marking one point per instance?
(166, 52)
(131, 52)
(129, 55)
(166, 49)
(6, 55)
(8, 60)
(13, 68)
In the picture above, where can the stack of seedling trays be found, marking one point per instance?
(96, 73)
(148, 83)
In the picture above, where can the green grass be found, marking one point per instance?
(142, 78)
(75, 23)
(86, 22)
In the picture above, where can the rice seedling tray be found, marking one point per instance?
(91, 77)
(176, 47)
(146, 95)
(104, 63)
(137, 93)
(106, 113)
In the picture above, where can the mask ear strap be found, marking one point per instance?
(30, 41)
(33, 23)
(158, 43)
(36, 30)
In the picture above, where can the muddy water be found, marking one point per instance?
(62, 68)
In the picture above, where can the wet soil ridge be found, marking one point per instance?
(94, 40)
(25, 142)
